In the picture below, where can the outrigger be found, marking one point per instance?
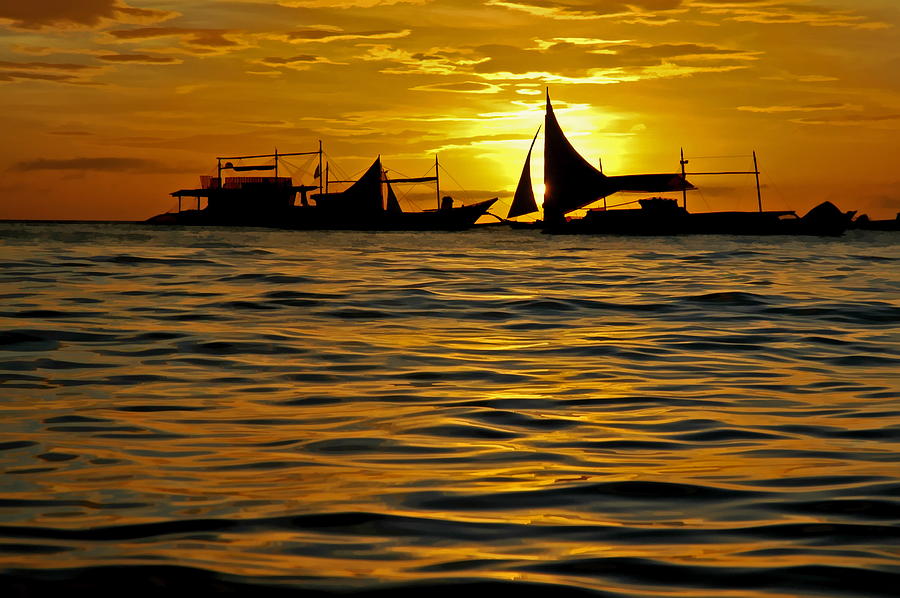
(368, 204)
(571, 183)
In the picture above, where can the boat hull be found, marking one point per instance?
(317, 218)
(823, 220)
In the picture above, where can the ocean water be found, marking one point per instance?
(262, 412)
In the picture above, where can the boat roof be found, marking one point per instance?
(208, 192)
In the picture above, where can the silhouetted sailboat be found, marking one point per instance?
(371, 204)
(368, 204)
(571, 183)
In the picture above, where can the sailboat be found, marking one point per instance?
(271, 201)
(370, 203)
(571, 183)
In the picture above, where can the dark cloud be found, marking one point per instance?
(279, 61)
(54, 72)
(44, 66)
(93, 164)
(210, 38)
(39, 14)
(10, 76)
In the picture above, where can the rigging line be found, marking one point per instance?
(616, 205)
(461, 188)
(294, 169)
(334, 167)
(706, 203)
(771, 184)
(717, 157)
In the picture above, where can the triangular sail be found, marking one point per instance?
(570, 182)
(523, 201)
(364, 196)
(393, 206)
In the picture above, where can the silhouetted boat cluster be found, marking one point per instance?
(570, 183)
(368, 204)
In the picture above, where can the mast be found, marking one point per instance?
(756, 172)
(600, 163)
(276, 162)
(320, 166)
(683, 178)
(219, 167)
(437, 181)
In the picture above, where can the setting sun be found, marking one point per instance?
(114, 105)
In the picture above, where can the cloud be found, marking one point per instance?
(802, 78)
(463, 87)
(663, 12)
(104, 164)
(301, 62)
(848, 120)
(566, 60)
(75, 14)
(12, 76)
(591, 9)
(54, 72)
(139, 59)
(805, 108)
(778, 12)
(435, 61)
(324, 35)
(195, 40)
(44, 66)
(346, 3)
(71, 133)
(605, 62)
(266, 123)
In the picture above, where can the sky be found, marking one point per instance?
(107, 106)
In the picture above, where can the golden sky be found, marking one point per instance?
(107, 106)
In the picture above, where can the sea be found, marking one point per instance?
(279, 413)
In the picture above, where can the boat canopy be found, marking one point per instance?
(248, 168)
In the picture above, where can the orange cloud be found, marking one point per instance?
(75, 14)
(851, 120)
(100, 164)
(463, 87)
(605, 62)
(590, 9)
(200, 37)
(300, 62)
(775, 12)
(139, 59)
(806, 108)
(326, 35)
(54, 72)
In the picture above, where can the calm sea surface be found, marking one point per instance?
(495, 410)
